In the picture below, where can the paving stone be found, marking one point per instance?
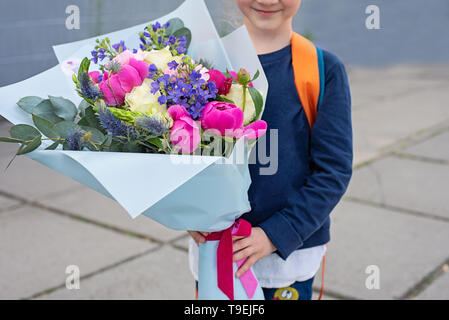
(404, 247)
(162, 274)
(381, 126)
(6, 202)
(7, 149)
(36, 247)
(438, 290)
(404, 183)
(183, 242)
(94, 206)
(436, 148)
(29, 179)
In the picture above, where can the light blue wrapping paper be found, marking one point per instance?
(182, 192)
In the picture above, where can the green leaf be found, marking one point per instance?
(63, 108)
(82, 107)
(97, 136)
(93, 120)
(53, 146)
(223, 99)
(46, 127)
(24, 132)
(45, 110)
(156, 141)
(6, 139)
(256, 75)
(33, 145)
(257, 99)
(64, 127)
(84, 67)
(28, 103)
(184, 32)
(175, 24)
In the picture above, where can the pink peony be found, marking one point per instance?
(222, 83)
(227, 119)
(185, 133)
(131, 75)
(94, 75)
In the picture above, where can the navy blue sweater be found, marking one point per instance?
(314, 167)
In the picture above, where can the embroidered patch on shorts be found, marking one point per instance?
(288, 293)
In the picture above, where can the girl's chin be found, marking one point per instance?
(267, 25)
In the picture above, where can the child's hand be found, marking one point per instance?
(199, 237)
(254, 247)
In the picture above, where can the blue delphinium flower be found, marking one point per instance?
(152, 70)
(120, 45)
(116, 127)
(192, 92)
(87, 89)
(173, 65)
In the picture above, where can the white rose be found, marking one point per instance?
(159, 57)
(236, 94)
(141, 99)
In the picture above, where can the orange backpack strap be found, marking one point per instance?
(308, 69)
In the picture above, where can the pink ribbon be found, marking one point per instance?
(225, 270)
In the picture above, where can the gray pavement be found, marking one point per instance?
(394, 217)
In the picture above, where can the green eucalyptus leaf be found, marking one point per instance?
(46, 127)
(28, 103)
(64, 127)
(33, 145)
(24, 132)
(82, 107)
(63, 108)
(97, 135)
(46, 110)
(53, 146)
(175, 24)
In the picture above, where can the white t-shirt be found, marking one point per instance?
(272, 271)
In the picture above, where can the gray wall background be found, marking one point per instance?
(412, 31)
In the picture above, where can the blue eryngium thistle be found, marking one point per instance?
(87, 89)
(156, 124)
(77, 139)
(116, 127)
(114, 66)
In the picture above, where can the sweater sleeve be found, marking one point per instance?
(331, 156)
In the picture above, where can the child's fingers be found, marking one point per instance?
(243, 254)
(197, 237)
(240, 244)
(246, 266)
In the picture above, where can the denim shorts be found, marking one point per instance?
(296, 291)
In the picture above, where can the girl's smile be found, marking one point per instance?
(266, 13)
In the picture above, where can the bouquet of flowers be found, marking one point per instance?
(156, 107)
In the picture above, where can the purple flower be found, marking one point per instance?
(173, 65)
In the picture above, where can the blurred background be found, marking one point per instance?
(389, 233)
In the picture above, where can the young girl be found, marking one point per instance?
(291, 208)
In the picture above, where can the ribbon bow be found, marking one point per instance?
(225, 267)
